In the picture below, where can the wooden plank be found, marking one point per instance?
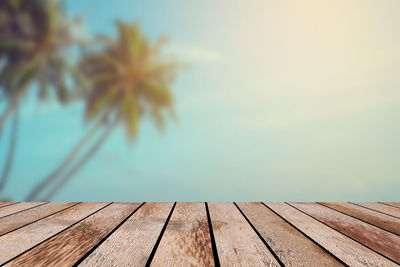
(392, 211)
(3, 204)
(186, 240)
(132, 243)
(347, 250)
(7, 210)
(373, 217)
(292, 247)
(19, 241)
(386, 243)
(20, 219)
(66, 248)
(394, 204)
(237, 243)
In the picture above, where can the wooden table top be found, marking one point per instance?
(199, 234)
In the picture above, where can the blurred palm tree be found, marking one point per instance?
(128, 79)
(33, 37)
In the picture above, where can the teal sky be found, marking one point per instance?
(281, 101)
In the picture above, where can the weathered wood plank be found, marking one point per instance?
(373, 217)
(19, 241)
(386, 243)
(7, 210)
(392, 211)
(68, 247)
(347, 250)
(237, 243)
(186, 240)
(132, 243)
(3, 204)
(20, 219)
(394, 204)
(292, 247)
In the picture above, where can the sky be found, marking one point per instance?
(280, 101)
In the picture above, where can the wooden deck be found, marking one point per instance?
(199, 234)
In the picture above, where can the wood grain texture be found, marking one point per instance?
(8, 210)
(186, 240)
(349, 251)
(292, 247)
(20, 219)
(66, 248)
(386, 243)
(237, 243)
(132, 243)
(3, 204)
(394, 204)
(19, 241)
(249, 234)
(373, 217)
(392, 211)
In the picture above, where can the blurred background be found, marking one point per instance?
(245, 101)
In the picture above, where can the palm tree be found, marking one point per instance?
(128, 79)
(33, 36)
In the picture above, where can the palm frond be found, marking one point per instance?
(131, 40)
(12, 44)
(25, 74)
(129, 113)
(156, 92)
(80, 81)
(158, 117)
(101, 78)
(43, 81)
(100, 99)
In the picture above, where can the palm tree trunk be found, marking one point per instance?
(72, 155)
(6, 113)
(84, 160)
(11, 106)
(11, 150)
